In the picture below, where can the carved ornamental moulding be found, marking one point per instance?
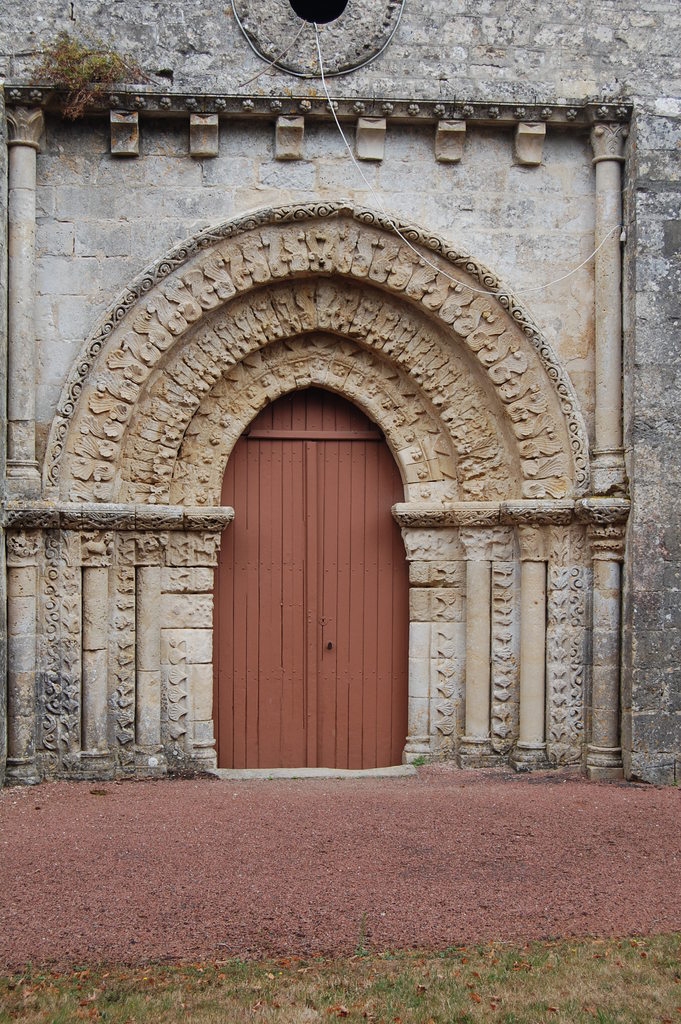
(279, 36)
(425, 327)
(152, 102)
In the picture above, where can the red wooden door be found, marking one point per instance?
(311, 601)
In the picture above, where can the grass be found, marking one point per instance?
(85, 69)
(629, 981)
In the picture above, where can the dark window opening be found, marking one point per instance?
(319, 11)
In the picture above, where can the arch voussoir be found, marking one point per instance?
(505, 411)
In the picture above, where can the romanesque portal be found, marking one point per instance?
(514, 566)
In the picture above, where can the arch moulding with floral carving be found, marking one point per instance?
(472, 400)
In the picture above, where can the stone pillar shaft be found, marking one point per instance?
(148, 709)
(604, 752)
(22, 589)
(478, 644)
(530, 751)
(532, 653)
(25, 128)
(606, 669)
(95, 642)
(607, 142)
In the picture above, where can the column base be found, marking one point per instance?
(150, 763)
(477, 753)
(21, 771)
(604, 763)
(529, 757)
(415, 748)
(608, 475)
(96, 764)
(22, 479)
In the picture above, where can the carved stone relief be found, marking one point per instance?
(423, 306)
(59, 657)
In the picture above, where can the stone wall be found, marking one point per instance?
(102, 219)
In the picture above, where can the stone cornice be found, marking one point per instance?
(595, 511)
(396, 110)
(27, 515)
(603, 511)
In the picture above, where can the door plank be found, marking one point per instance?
(313, 556)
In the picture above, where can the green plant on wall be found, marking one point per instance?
(85, 70)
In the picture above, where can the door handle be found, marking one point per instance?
(329, 646)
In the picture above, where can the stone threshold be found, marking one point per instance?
(247, 774)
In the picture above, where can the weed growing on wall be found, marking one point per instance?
(85, 70)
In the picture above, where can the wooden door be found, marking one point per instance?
(311, 602)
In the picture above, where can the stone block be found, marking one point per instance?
(125, 133)
(187, 611)
(436, 604)
(201, 689)
(529, 144)
(187, 580)
(370, 138)
(419, 677)
(203, 135)
(450, 137)
(419, 640)
(288, 138)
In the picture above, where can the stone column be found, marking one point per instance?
(149, 557)
(530, 750)
(606, 518)
(96, 551)
(148, 696)
(607, 141)
(475, 749)
(25, 129)
(22, 582)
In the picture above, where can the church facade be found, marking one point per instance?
(341, 414)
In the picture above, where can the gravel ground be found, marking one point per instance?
(138, 871)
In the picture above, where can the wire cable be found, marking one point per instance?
(391, 221)
(273, 63)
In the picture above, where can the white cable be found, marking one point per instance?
(477, 291)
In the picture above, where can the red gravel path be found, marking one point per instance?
(203, 868)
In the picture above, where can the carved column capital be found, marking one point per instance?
(607, 542)
(486, 543)
(607, 142)
(22, 549)
(96, 548)
(25, 126)
(532, 541)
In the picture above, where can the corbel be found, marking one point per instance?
(125, 133)
(450, 137)
(529, 144)
(203, 135)
(288, 138)
(370, 138)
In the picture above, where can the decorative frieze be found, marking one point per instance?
(155, 103)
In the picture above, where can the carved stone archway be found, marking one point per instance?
(481, 419)
(428, 310)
